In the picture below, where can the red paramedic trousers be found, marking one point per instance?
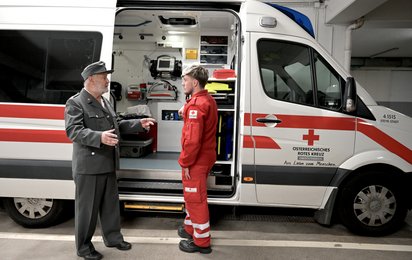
(197, 211)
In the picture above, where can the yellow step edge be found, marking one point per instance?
(153, 207)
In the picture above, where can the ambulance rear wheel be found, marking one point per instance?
(33, 212)
(372, 204)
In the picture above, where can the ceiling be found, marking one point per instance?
(387, 27)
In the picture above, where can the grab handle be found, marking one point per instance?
(268, 120)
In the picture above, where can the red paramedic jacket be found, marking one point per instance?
(199, 131)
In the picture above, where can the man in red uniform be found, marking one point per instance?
(196, 159)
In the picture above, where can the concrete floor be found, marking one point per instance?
(250, 235)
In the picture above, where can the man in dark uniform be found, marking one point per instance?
(92, 126)
(197, 157)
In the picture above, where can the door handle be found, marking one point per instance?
(268, 120)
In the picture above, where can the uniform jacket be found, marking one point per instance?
(85, 120)
(199, 131)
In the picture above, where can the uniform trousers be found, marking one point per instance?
(96, 196)
(196, 222)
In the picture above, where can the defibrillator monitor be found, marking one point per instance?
(165, 64)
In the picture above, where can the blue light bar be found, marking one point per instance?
(301, 19)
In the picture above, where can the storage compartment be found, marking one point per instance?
(224, 136)
(222, 175)
(135, 149)
(213, 49)
(220, 170)
(220, 40)
(222, 92)
(171, 115)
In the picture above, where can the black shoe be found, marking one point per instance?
(189, 246)
(94, 255)
(183, 233)
(123, 246)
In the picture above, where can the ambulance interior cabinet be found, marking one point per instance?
(135, 148)
(223, 91)
(222, 174)
(213, 49)
(224, 135)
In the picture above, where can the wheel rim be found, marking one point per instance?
(375, 205)
(33, 208)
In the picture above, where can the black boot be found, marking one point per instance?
(189, 246)
(93, 255)
(182, 232)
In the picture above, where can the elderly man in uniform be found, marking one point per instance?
(197, 157)
(92, 125)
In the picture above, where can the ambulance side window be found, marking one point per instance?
(328, 83)
(288, 71)
(285, 70)
(44, 66)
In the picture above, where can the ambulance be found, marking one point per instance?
(295, 129)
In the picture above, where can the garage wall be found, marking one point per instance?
(389, 87)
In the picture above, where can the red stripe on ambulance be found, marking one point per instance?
(34, 135)
(335, 123)
(312, 122)
(32, 111)
(385, 140)
(262, 142)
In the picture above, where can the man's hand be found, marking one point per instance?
(109, 138)
(147, 122)
(180, 112)
(187, 173)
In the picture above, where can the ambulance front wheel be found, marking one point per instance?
(34, 212)
(372, 204)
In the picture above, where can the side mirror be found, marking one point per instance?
(350, 96)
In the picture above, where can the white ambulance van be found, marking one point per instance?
(295, 129)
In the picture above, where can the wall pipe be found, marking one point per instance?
(348, 41)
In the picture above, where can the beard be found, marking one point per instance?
(103, 89)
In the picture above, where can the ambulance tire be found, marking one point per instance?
(35, 213)
(373, 193)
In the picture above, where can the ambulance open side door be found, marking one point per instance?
(299, 131)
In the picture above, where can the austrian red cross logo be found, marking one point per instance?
(192, 114)
(311, 137)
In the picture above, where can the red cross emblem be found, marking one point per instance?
(311, 137)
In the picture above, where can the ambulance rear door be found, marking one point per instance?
(299, 133)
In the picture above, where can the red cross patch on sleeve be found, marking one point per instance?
(192, 114)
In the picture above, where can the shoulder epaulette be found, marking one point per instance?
(75, 95)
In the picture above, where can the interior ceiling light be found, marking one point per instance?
(176, 32)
